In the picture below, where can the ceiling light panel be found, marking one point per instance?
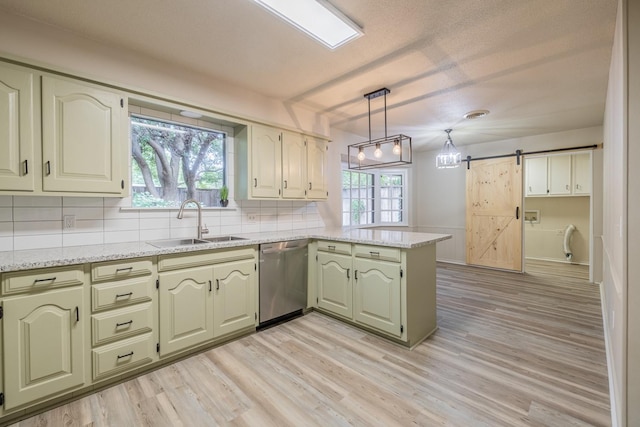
(316, 18)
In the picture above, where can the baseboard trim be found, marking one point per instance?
(613, 398)
(559, 261)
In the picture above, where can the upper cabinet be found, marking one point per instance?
(82, 137)
(17, 123)
(277, 164)
(81, 147)
(558, 175)
(317, 168)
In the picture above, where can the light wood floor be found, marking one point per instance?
(560, 269)
(511, 350)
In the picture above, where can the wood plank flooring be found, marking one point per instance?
(549, 268)
(511, 350)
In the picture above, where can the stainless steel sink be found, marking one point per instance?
(172, 243)
(224, 238)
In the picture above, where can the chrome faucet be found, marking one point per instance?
(201, 230)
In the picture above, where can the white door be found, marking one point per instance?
(560, 175)
(536, 169)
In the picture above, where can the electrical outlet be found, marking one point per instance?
(69, 222)
(252, 217)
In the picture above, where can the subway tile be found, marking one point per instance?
(230, 220)
(251, 228)
(269, 226)
(285, 226)
(268, 211)
(215, 231)
(36, 228)
(79, 239)
(154, 223)
(86, 226)
(6, 229)
(231, 229)
(155, 234)
(84, 212)
(37, 242)
(91, 202)
(121, 236)
(144, 213)
(6, 243)
(250, 204)
(6, 201)
(6, 214)
(121, 225)
(269, 204)
(188, 220)
(181, 233)
(37, 213)
(37, 201)
(111, 212)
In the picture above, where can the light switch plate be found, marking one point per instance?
(69, 222)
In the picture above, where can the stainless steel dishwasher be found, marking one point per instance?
(283, 280)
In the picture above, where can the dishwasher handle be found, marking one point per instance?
(274, 251)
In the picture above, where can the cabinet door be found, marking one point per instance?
(317, 168)
(16, 129)
(46, 338)
(582, 174)
(83, 142)
(186, 308)
(234, 296)
(377, 295)
(536, 168)
(560, 175)
(266, 162)
(334, 284)
(294, 166)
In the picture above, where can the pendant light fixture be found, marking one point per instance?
(449, 157)
(382, 152)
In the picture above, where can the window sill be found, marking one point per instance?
(215, 208)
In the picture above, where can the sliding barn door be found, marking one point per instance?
(494, 205)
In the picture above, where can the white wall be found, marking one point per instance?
(621, 201)
(440, 193)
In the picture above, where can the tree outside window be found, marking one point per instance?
(173, 162)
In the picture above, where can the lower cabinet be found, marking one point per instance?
(234, 296)
(335, 291)
(44, 345)
(186, 308)
(216, 295)
(377, 295)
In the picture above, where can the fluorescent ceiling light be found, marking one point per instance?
(316, 18)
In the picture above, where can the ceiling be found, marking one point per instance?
(539, 66)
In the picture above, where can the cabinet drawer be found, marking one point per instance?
(122, 323)
(121, 293)
(334, 247)
(174, 262)
(46, 278)
(122, 356)
(120, 269)
(377, 252)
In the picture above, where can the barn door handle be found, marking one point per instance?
(517, 212)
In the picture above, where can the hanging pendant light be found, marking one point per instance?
(449, 157)
(382, 152)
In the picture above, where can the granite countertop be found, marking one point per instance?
(39, 258)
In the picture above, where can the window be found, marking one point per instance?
(373, 197)
(173, 162)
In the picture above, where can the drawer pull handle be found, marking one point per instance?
(285, 184)
(130, 322)
(48, 279)
(26, 167)
(120, 270)
(332, 248)
(374, 253)
(255, 182)
(348, 275)
(209, 285)
(122, 356)
(217, 284)
(355, 275)
(77, 314)
(128, 294)
(48, 165)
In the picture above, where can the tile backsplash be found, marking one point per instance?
(38, 222)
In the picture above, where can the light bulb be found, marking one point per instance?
(396, 148)
(361, 155)
(378, 152)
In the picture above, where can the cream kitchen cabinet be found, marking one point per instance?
(234, 296)
(559, 181)
(61, 136)
(205, 295)
(581, 168)
(335, 286)
(125, 316)
(45, 332)
(294, 166)
(83, 138)
(186, 309)
(18, 125)
(272, 164)
(370, 287)
(377, 294)
(317, 166)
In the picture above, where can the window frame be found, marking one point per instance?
(377, 197)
